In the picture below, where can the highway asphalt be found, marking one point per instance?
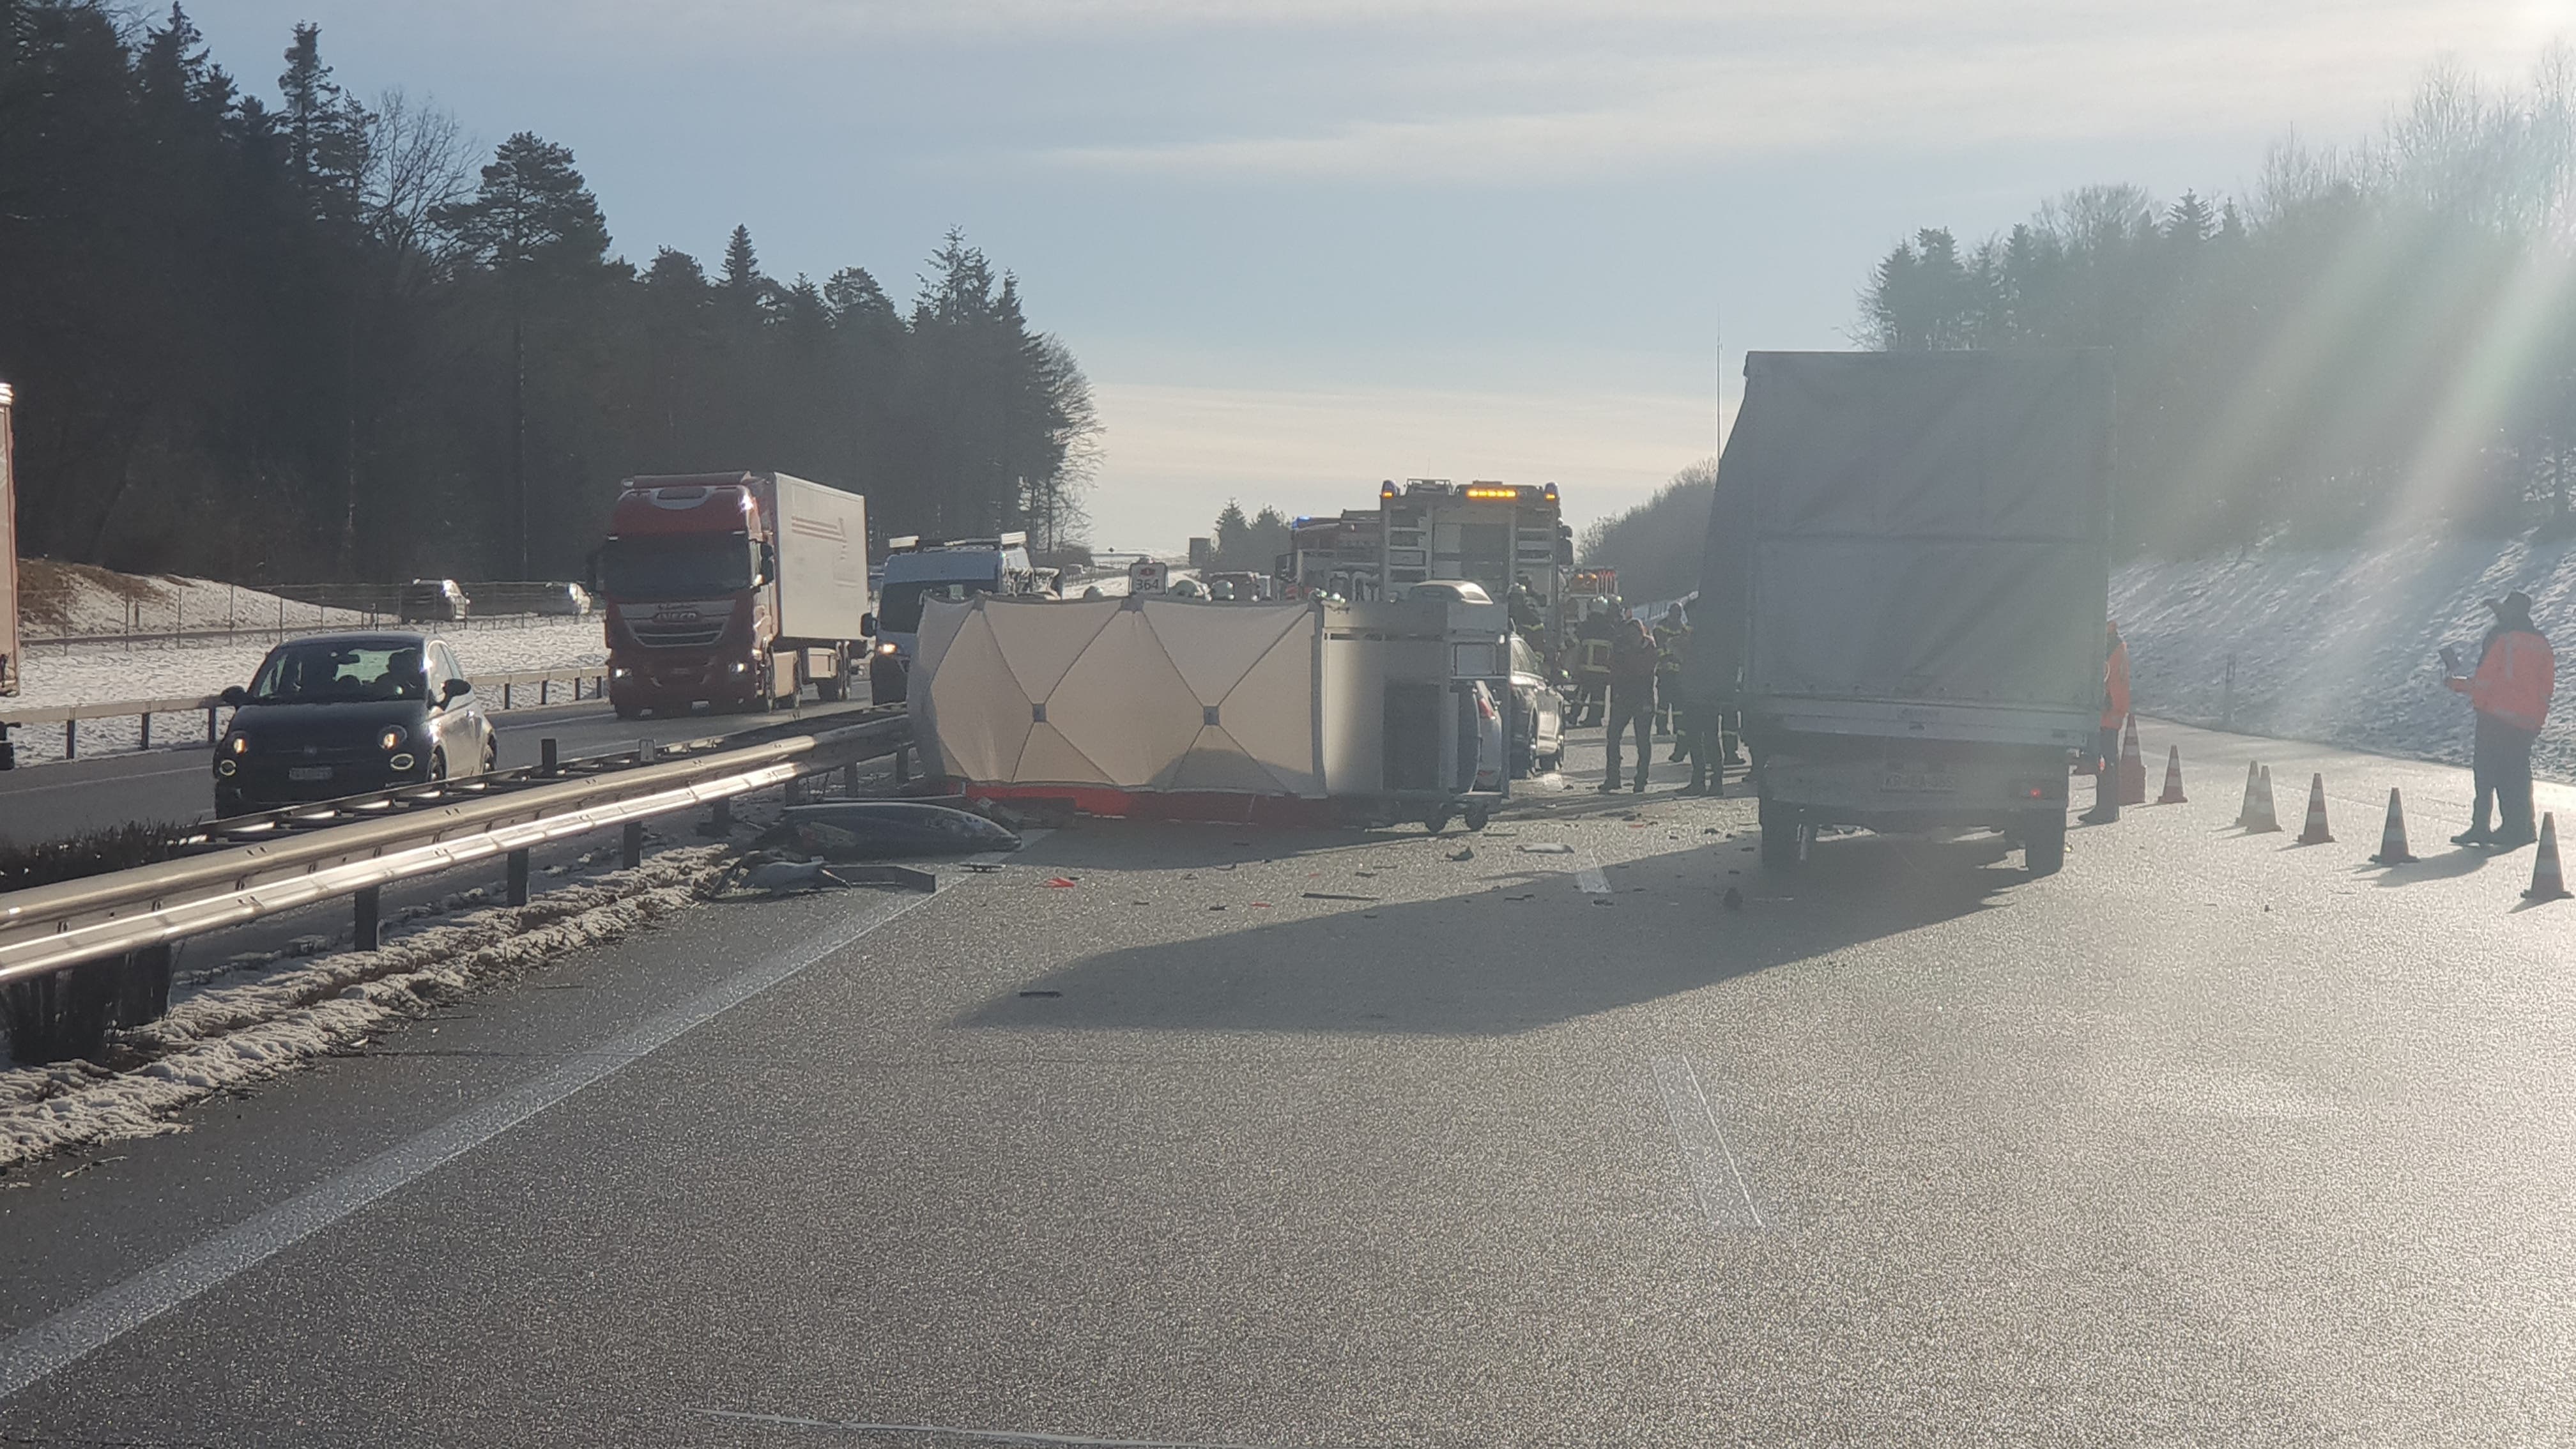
(1257, 1138)
(65, 798)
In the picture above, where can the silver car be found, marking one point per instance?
(1538, 719)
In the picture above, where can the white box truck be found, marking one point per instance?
(1906, 577)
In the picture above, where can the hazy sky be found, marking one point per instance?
(1301, 245)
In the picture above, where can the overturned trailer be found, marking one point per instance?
(1310, 712)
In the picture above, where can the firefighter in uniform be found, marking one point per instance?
(1671, 636)
(2106, 742)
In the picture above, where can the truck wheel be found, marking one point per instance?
(834, 687)
(630, 711)
(2043, 848)
(1476, 818)
(1785, 834)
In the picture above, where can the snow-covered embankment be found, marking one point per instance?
(2339, 645)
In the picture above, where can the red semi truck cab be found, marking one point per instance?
(732, 589)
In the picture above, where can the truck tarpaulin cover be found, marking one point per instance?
(1130, 694)
(1921, 526)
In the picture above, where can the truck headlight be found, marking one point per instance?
(390, 738)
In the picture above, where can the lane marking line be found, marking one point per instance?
(1588, 877)
(1707, 1160)
(990, 1436)
(37, 1351)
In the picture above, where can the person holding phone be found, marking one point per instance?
(2516, 674)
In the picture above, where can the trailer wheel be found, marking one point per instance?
(1476, 817)
(834, 687)
(1785, 834)
(2043, 848)
(1437, 820)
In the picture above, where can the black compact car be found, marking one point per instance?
(342, 714)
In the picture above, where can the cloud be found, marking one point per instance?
(1177, 453)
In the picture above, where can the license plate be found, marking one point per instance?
(1920, 782)
(309, 772)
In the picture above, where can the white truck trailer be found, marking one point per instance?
(1907, 572)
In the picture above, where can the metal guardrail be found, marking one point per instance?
(69, 716)
(125, 920)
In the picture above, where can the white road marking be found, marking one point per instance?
(1589, 880)
(33, 1353)
(1706, 1158)
(991, 1436)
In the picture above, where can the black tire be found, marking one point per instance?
(1476, 818)
(630, 711)
(491, 755)
(438, 764)
(1437, 820)
(1785, 834)
(2043, 847)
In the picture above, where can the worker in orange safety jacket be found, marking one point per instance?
(2106, 741)
(2510, 689)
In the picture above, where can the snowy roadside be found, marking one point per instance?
(93, 675)
(226, 1038)
(2338, 646)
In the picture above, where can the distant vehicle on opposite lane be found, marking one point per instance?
(342, 714)
(433, 601)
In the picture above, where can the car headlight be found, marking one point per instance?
(739, 667)
(238, 744)
(620, 672)
(885, 649)
(391, 738)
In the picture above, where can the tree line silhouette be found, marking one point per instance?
(2378, 338)
(309, 338)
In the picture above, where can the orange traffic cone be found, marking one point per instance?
(2392, 836)
(2315, 833)
(2133, 770)
(2253, 782)
(2547, 884)
(2173, 777)
(2265, 819)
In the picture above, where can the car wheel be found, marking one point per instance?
(438, 764)
(630, 711)
(2043, 848)
(1784, 834)
(491, 755)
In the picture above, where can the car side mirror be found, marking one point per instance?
(453, 689)
(234, 695)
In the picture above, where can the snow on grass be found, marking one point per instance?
(96, 674)
(229, 1038)
(2338, 646)
(69, 598)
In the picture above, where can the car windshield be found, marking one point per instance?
(676, 568)
(899, 606)
(317, 672)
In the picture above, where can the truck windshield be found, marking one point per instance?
(899, 605)
(675, 568)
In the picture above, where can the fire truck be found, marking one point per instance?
(1495, 534)
(1336, 556)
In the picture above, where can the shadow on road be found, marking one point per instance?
(2459, 861)
(1528, 950)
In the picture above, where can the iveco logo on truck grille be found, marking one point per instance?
(676, 616)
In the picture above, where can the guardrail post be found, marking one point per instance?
(146, 738)
(850, 779)
(644, 751)
(633, 854)
(519, 877)
(71, 739)
(505, 694)
(902, 771)
(210, 724)
(541, 690)
(370, 931)
(793, 792)
(720, 815)
(549, 759)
